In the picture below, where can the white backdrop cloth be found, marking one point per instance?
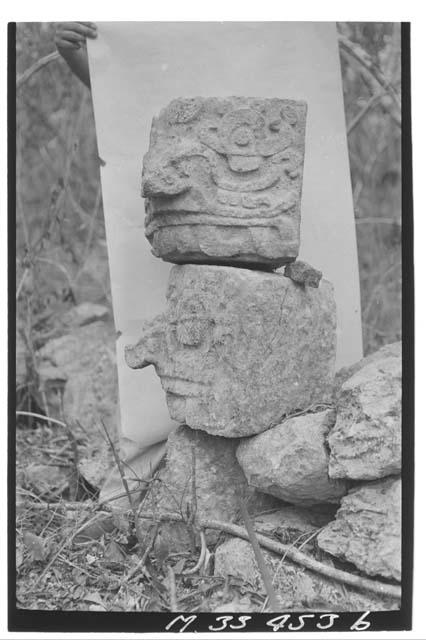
(136, 69)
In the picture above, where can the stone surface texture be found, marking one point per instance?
(367, 529)
(86, 358)
(290, 461)
(223, 179)
(303, 273)
(288, 522)
(78, 373)
(219, 484)
(237, 349)
(365, 442)
(297, 588)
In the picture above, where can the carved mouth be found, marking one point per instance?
(182, 387)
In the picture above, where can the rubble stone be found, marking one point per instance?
(303, 273)
(290, 461)
(365, 442)
(218, 481)
(367, 529)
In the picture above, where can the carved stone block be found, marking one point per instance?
(237, 349)
(223, 179)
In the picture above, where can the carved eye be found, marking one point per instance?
(191, 331)
(275, 126)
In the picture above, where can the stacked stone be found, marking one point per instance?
(245, 355)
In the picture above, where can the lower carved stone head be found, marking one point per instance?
(237, 349)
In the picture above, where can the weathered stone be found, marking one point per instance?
(303, 273)
(393, 350)
(237, 349)
(365, 442)
(288, 522)
(297, 588)
(223, 180)
(218, 481)
(86, 357)
(290, 461)
(367, 529)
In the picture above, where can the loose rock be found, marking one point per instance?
(237, 349)
(303, 273)
(290, 461)
(219, 485)
(365, 442)
(86, 356)
(367, 529)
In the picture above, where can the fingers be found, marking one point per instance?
(69, 34)
(65, 44)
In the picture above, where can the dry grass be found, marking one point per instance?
(72, 553)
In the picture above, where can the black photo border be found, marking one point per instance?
(112, 622)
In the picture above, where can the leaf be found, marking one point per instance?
(114, 553)
(178, 568)
(35, 545)
(96, 607)
(95, 598)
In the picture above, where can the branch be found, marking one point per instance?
(296, 556)
(361, 113)
(24, 77)
(358, 54)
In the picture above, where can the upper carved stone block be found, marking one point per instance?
(223, 179)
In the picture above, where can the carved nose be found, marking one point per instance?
(149, 349)
(162, 182)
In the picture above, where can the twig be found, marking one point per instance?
(67, 542)
(125, 484)
(378, 220)
(296, 556)
(24, 77)
(119, 467)
(41, 417)
(365, 61)
(63, 506)
(172, 589)
(202, 557)
(359, 116)
(21, 282)
(148, 548)
(264, 571)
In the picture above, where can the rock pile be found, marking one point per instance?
(246, 356)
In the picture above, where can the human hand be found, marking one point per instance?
(72, 35)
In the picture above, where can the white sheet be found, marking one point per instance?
(136, 69)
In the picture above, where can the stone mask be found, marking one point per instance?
(237, 349)
(222, 181)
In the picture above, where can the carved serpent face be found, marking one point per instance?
(220, 163)
(221, 348)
